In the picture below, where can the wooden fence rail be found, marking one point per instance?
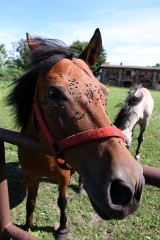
(7, 230)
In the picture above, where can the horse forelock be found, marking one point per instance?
(43, 57)
(49, 51)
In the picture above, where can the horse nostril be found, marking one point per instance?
(120, 193)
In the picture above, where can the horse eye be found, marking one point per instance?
(55, 94)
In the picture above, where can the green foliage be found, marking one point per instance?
(3, 55)
(9, 69)
(83, 222)
(79, 46)
(22, 59)
(158, 65)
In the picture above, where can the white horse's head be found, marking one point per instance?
(128, 136)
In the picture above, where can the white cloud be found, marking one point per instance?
(8, 36)
(135, 56)
(134, 42)
(131, 37)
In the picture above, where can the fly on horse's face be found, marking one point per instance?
(71, 99)
(60, 102)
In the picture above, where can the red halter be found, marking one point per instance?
(75, 139)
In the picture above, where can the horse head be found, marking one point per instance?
(72, 104)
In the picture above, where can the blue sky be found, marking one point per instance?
(130, 28)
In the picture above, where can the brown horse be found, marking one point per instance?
(60, 102)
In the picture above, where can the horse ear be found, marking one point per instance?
(31, 42)
(92, 51)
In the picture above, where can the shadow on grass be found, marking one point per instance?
(71, 185)
(47, 229)
(16, 186)
(17, 193)
(36, 228)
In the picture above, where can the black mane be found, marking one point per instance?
(43, 57)
(126, 110)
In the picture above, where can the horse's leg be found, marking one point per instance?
(32, 188)
(62, 231)
(140, 139)
(80, 187)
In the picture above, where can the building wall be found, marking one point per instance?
(128, 76)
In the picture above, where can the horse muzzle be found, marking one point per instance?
(117, 201)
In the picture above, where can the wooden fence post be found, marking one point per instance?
(7, 230)
(4, 197)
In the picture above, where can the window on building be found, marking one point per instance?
(128, 73)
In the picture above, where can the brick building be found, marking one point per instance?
(123, 75)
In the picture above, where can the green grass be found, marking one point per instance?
(83, 222)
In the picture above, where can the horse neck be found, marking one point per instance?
(130, 122)
(36, 132)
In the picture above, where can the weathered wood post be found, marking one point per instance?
(152, 175)
(4, 197)
(7, 230)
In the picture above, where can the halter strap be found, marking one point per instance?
(75, 139)
(90, 135)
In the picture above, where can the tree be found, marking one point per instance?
(158, 65)
(13, 70)
(79, 46)
(3, 55)
(21, 59)
(8, 66)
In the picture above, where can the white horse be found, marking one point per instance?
(137, 109)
